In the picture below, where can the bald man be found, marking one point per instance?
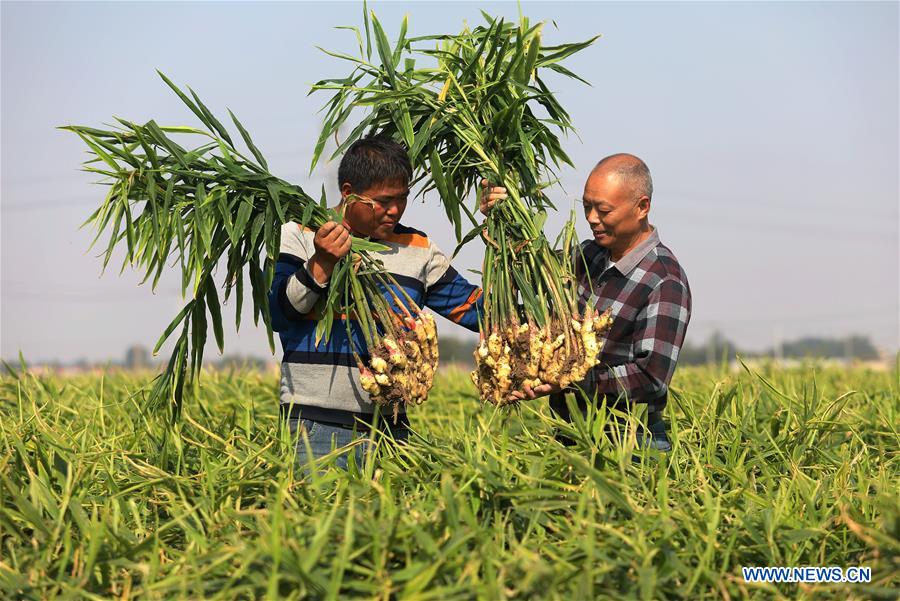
(626, 267)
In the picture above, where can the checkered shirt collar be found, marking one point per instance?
(626, 264)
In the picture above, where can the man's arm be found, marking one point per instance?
(449, 294)
(446, 291)
(300, 279)
(658, 336)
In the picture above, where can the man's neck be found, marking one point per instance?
(616, 255)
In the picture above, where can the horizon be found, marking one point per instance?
(715, 339)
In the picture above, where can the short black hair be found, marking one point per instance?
(372, 160)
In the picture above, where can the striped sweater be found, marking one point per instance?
(321, 382)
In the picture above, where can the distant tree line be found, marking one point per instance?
(718, 349)
(456, 350)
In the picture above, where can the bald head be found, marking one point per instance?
(632, 170)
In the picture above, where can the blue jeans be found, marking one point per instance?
(325, 438)
(656, 428)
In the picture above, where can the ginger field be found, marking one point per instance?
(770, 467)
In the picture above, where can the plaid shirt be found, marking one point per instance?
(651, 306)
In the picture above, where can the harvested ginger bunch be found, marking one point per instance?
(526, 354)
(401, 368)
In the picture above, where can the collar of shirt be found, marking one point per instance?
(633, 258)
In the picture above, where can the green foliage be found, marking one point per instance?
(475, 111)
(100, 497)
(479, 108)
(201, 207)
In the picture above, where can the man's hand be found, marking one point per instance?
(490, 196)
(332, 243)
(533, 393)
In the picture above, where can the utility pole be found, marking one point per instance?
(848, 349)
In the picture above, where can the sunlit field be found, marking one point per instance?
(769, 468)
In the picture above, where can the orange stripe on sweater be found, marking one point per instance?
(407, 240)
(314, 316)
(457, 314)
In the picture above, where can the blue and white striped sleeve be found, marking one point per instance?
(294, 292)
(449, 294)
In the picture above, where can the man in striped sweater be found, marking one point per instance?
(321, 394)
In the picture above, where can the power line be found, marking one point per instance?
(750, 203)
(46, 205)
(704, 222)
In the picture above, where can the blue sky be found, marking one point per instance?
(771, 130)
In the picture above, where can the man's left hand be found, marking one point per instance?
(490, 195)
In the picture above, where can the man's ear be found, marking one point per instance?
(643, 206)
(346, 190)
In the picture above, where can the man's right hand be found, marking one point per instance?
(490, 196)
(332, 243)
(533, 393)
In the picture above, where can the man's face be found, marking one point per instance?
(374, 212)
(614, 211)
